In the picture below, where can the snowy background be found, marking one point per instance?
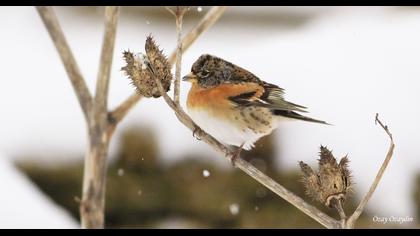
(344, 63)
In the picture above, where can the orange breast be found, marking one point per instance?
(216, 100)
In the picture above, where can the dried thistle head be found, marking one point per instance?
(332, 182)
(142, 69)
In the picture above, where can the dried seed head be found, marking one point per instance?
(331, 183)
(310, 181)
(142, 69)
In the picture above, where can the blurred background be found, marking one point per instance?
(344, 63)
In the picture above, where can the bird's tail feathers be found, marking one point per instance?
(295, 115)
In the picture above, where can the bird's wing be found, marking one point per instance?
(265, 95)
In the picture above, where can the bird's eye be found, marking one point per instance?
(204, 74)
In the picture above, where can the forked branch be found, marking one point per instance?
(100, 122)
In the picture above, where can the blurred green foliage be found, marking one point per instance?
(143, 193)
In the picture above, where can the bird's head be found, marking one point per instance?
(209, 71)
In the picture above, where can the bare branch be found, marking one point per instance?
(94, 177)
(171, 11)
(102, 85)
(340, 210)
(179, 15)
(351, 221)
(206, 22)
(337, 203)
(79, 86)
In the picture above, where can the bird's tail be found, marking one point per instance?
(295, 115)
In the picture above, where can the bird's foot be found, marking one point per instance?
(196, 129)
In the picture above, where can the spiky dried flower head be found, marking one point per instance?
(142, 69)
(332, 182)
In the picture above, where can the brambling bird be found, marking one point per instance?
(235, 106)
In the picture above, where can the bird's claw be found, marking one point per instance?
(233, 159)
(236, 155)
(196, 129)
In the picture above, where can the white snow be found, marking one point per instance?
(23, 205)
(206, 173)
(120, 172)
(234, 208)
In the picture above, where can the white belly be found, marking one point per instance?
(225, 131)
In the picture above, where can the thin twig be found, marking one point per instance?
(205, 23)
(339, 207)
(298, 202)
(121, 111)
(171, 11)
(351, 221)
(179, 15)
(341, 210)
(102, 85)
(79, 86)
(208, 20)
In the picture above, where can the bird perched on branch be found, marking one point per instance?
(235, 106)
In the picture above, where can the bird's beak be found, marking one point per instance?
(188, 77)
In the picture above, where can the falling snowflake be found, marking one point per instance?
(199, 9)
(139, 192)
(206, 173)
(120, 172)
(256, 208)
(147, 22)
(77, 199)
(234, 208)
